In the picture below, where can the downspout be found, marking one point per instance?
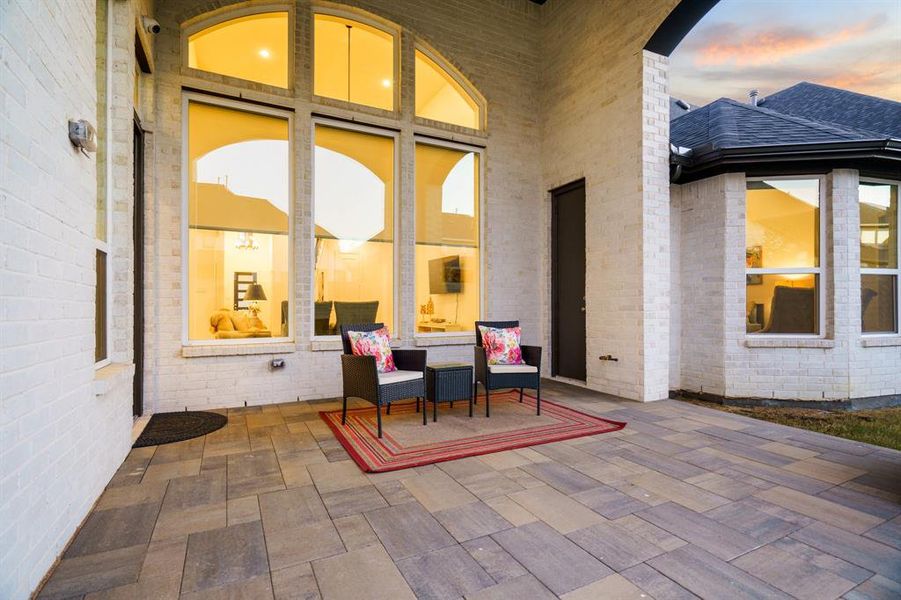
(678, 156)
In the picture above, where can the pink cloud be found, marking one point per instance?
(729, 44)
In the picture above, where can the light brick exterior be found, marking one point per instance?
(604, 116)
(717, 357)
(64, 427)
(570, 94)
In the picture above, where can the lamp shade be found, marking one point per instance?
(255, 292)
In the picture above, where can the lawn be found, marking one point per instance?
(881, 427)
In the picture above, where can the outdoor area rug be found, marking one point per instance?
(406, 442)
(166, 428)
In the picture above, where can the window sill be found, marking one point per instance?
(112, 376)
(326, 345)
(772, 342)
(237, 349)
(444, 340)
(880, 341)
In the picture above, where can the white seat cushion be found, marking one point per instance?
(398, 376)
(512, 369)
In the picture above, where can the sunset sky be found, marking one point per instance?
(772, 44)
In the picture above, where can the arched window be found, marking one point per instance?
(441, 96)
(253, 47)
(353, 61)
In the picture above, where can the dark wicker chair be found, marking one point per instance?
(531, 355)
(347, 313)
(361, 378)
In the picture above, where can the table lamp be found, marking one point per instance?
(254, 295)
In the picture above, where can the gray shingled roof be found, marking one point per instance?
(814, 114)
(840, 107)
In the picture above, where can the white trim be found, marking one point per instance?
(217, 17)
(884, 271)
(818, 272)
(105, 245)
(187, 98)
(430, 141)
(370, 130)
(369, 20)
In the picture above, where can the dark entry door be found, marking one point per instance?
(138, 229)
(568, 280)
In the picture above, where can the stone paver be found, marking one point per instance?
(684, 503)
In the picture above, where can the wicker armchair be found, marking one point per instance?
(495, 377)
(362, 379)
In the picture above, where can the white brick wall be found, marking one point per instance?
(494, 45)
(714, 356)
(604, 118)
(59, 442)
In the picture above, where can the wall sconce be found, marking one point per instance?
(83, 136)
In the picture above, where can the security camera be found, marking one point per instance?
(151, 25)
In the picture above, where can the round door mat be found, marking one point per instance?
(166, 428)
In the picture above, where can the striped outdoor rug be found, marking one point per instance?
(406, 442)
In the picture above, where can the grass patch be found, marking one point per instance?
(881, 427)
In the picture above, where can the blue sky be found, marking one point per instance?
(772, 44)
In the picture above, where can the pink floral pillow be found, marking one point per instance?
(501, 345)
(373, 343)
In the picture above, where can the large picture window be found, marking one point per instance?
(783, 256)
(254, 47)
(879, 256)
(238, 212)
(353, 207)
(447, 265)
(353, 61)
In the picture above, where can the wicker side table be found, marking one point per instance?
(446, 382)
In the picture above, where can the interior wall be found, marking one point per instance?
(604, 109)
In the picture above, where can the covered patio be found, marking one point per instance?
(683, 502)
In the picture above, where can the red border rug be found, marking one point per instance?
(374, 455)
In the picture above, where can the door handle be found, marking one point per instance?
(582, 309)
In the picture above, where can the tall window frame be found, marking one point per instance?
(102, 245)
(258, 109)
(896, 271)
(818, 272)
(480, 151)
(206, 22)
(395, 230)
(369, 21)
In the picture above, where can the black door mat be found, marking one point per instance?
(166, 428)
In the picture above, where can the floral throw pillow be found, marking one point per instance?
(373, 343)
(501, 345)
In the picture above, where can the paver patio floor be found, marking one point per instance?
(684, 502)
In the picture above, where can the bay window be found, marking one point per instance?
(353, 209)
(783, 256)
(447, 258)
(879, 256)
(238, 222)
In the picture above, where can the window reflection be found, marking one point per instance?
(353, 203)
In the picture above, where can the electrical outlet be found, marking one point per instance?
(277, 363)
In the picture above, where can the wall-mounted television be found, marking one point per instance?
(445, 276)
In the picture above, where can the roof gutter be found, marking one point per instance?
(716, 159)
